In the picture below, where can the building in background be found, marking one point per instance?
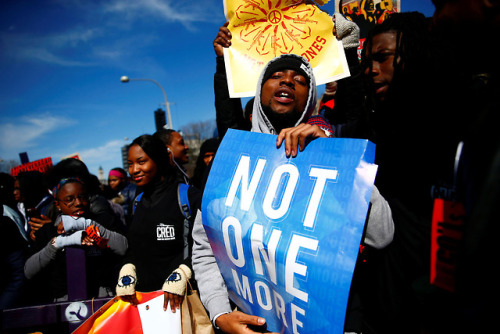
(160, 120)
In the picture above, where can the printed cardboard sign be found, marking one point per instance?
(286, 231)
(262, 30)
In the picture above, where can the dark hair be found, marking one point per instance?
(165, 135)
(438, 4)
(412, 53)
(209, 145)
(412, 59)
(412, 41)
(247, 113)
(7, 190)
(67, 168)
(156, 150)
(32, 187)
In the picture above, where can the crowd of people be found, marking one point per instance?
(424, 91)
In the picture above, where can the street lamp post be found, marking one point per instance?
(125, 79)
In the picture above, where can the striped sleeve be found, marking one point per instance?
(322, 123)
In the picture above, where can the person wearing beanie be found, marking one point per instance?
(284, 101)
(285, 97)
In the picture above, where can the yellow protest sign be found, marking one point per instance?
(264, 29)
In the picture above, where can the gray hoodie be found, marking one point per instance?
(213, 290)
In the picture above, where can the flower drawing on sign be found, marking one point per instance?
(275, 27)
(264, 29)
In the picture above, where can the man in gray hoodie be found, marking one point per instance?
(284, 101)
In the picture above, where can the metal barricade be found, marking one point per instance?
(57, 317)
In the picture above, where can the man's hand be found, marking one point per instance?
(298, 137)
(222, 40)
(37, 223)
(174, 287)
(74, 239)
(345, 31)
(174, 299)
(238, 322)
(87, 241)
(132, 299)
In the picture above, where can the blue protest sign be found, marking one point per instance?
(286, 231)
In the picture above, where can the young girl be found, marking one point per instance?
(156, 234)
(72, 228)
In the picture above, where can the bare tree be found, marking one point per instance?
(194, 134)
(199, 130)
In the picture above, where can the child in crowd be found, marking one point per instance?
(73, 228)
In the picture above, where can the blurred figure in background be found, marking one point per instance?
(177, 150)
(13, 248)
(33, 200)
(207, 153)
(126, 191)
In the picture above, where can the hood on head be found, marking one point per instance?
(260, 122)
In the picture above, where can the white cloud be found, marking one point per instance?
(50, 47)
(25, 132)
(183, 12)
(106, 156)
(107, 152)
(101, 31)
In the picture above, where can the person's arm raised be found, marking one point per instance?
(222, 40)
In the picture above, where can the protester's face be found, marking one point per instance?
(115, 182)
(285, 92)
(141, 167)
(207, 157)
(17, 192)
(178, 148)
(382, 63)
(72, 199)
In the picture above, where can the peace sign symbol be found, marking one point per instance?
(274, 17)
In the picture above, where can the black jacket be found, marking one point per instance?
(155, 235)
